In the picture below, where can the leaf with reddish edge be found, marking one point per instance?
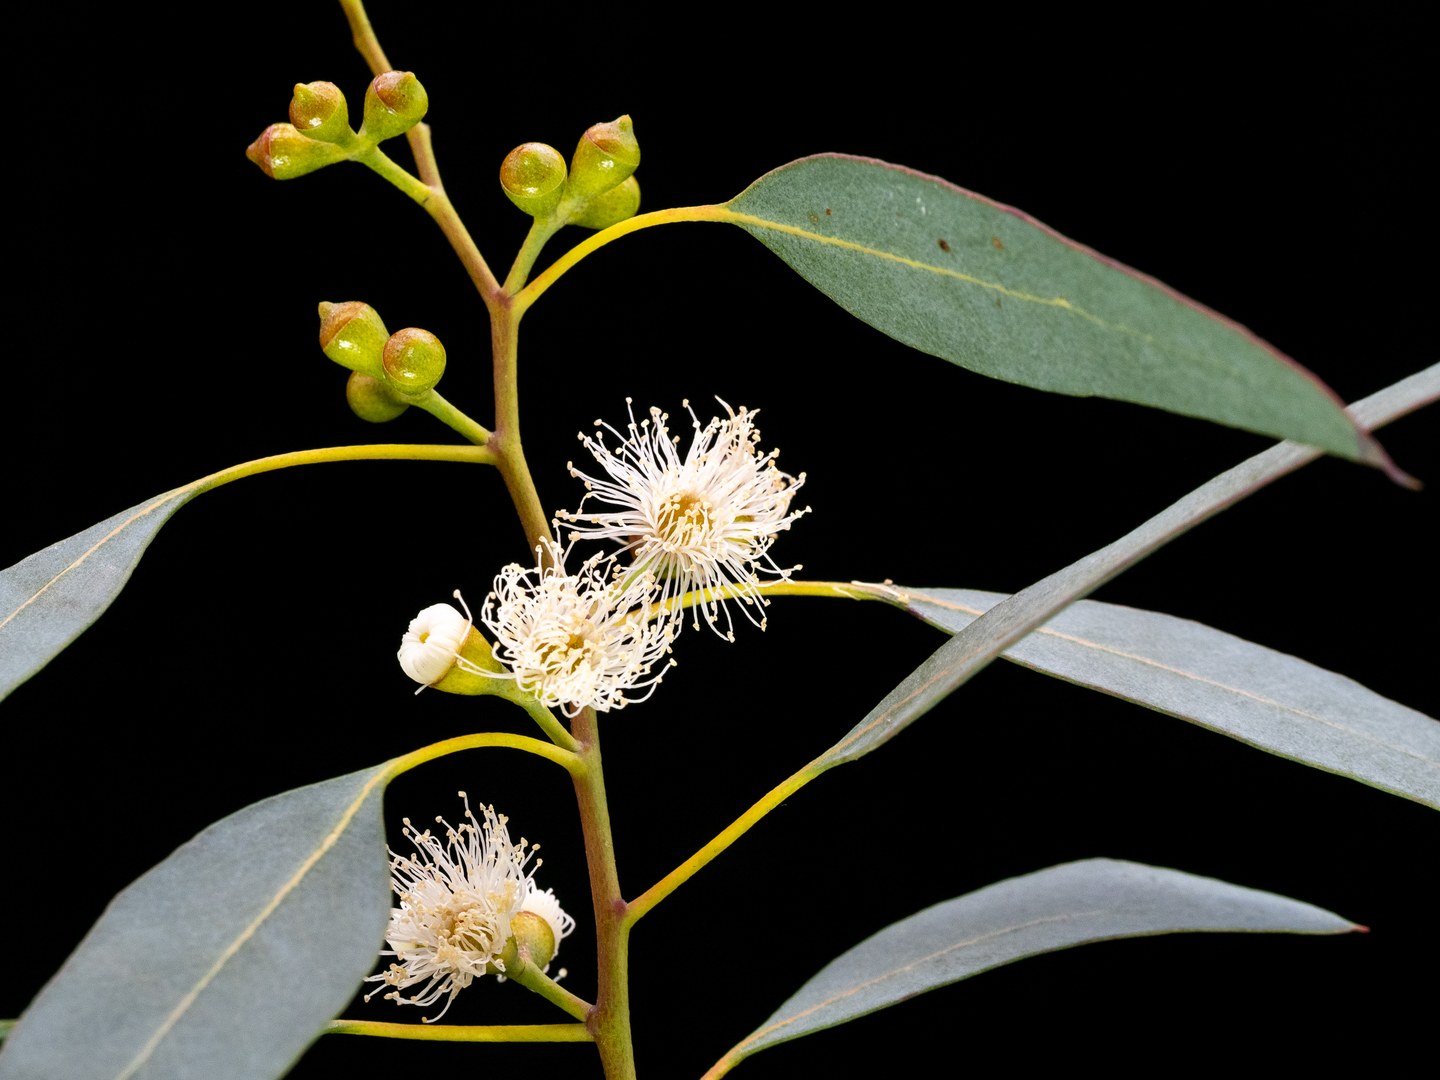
(989, 288)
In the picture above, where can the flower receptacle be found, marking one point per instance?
(370, 399)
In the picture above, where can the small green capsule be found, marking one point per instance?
(319, 112)
(533, 177)
(370, 399)
(531, 937)
(353, 336)
(413, 361)
(613, 206)
(394, 103)
(606, 155)
(283, 153)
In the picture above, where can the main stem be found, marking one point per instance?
(609, 1021)
(505, 441)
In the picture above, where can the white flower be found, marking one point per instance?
(705, 522)
(432, 643)
(580, 639)
(457, 899)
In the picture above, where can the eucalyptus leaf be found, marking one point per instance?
(968, 651)
(225, 960)
(1067, 905)
(984, 286)
(1260, 696)
(48, 599)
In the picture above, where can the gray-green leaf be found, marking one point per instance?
(1262, 697)
(1072, 904)
(968, 651)
(225, 960)
(984, 286)
(48, 599)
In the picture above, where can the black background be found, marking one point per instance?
(161, 326)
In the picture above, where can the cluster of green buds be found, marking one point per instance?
(388, 372)
(319, 131)
(599, 188)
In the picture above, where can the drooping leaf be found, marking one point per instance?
(1072, 904)
(985, 286)
(1262, 697)
(48, 599)
(225, 960)
(968, 651)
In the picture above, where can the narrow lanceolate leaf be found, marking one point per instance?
(1010, 620)
(1262, 697)
(1072, 904)
(48, 599)
(986, 287)
(225, 960)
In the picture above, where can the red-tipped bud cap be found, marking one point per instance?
(283, 153)
(394, 103)
(353, 336)
(370, 399)
(613, 206)
(533, 176)
(413, 360)
(606, 155)
(318, 111)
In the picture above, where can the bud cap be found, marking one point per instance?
(353, 336)
(319, 112)
(606, 155)
(413, 361)
(533, 177)
(283, 153)
(394, 103)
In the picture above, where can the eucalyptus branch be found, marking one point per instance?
(438, 407)
(556, 270)
(478, 1033)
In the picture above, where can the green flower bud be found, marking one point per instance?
(617, 204)
(394, 103)
(370, 399)
(533, 177)
(531, 937)
(607, 154)
(413, 360)
(283, 153)
(353, 336)
(319, 112)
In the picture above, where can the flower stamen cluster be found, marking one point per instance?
(701, 524)
(578, 640)
(457, 900)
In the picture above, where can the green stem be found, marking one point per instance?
(533, 291)
(541, 230)
(540, 714)
(373, 452)
(572, 763)
(642, 905)
(452, 417)
(486, 1033)
(504, 344)
(438, 205)
(609, 1020)
(532, 978)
